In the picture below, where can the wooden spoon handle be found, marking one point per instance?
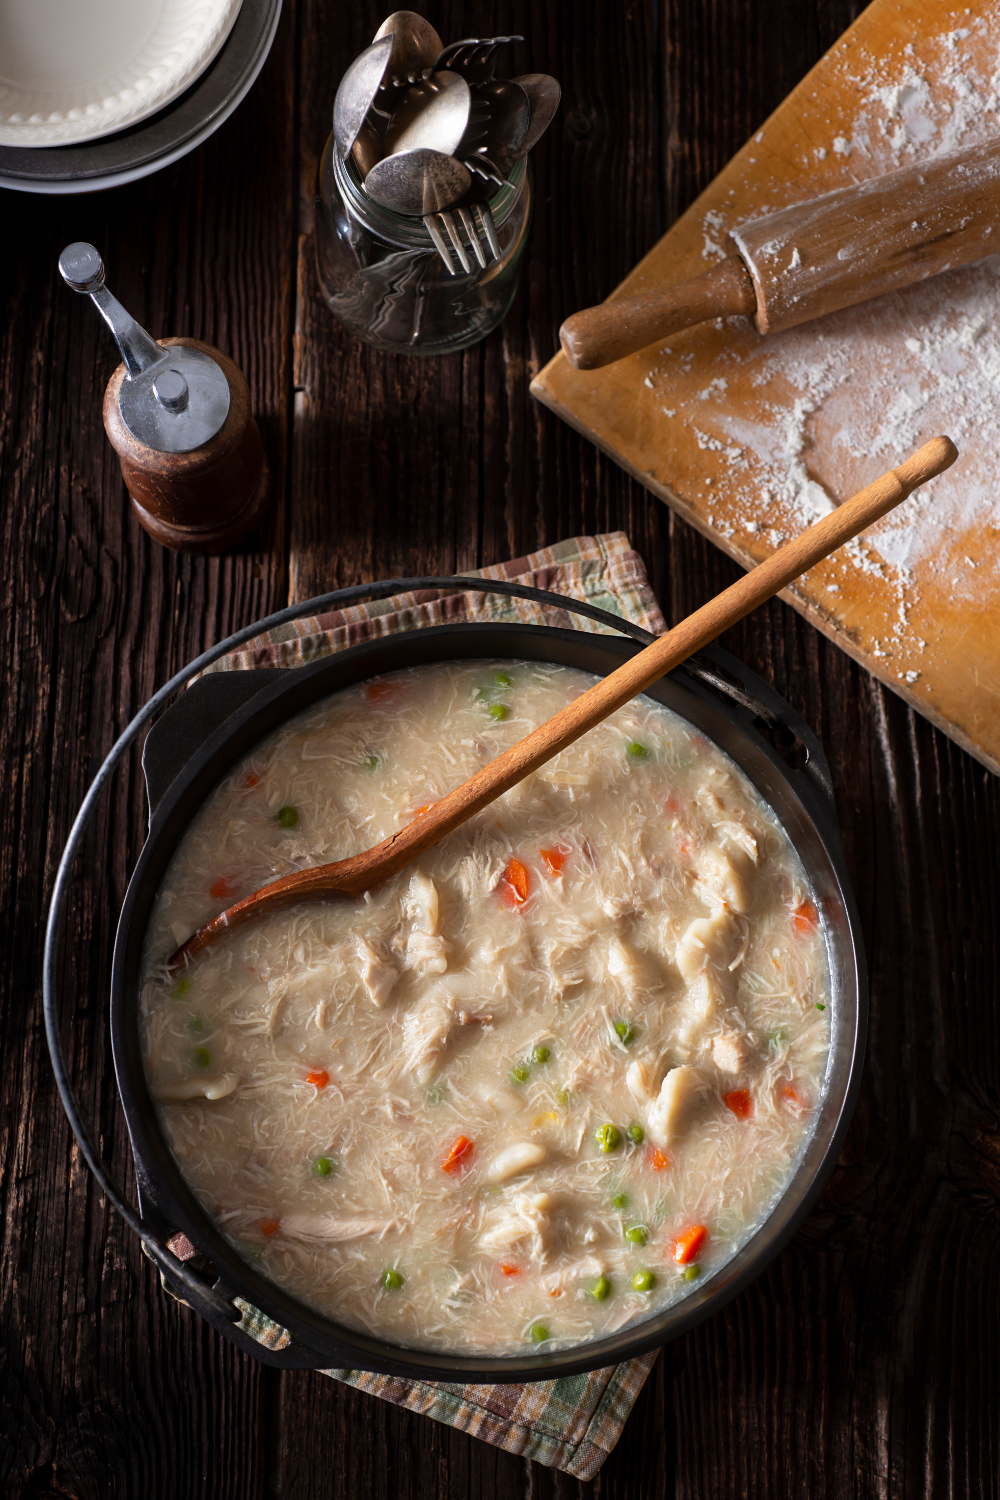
(634, 676)
(598, 336)
(361, 872)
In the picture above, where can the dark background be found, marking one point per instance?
(865, 1361)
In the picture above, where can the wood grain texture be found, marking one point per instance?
(865, 1362)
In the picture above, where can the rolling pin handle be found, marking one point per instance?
(598, 336)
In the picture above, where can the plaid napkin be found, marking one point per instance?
(570, 1424)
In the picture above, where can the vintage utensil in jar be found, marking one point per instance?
(475, 57)
(356, 92)
(544, 94)
(417, 182)
(507, 126)
(178, 416)
(434, 113)
(415, 45)
(816, 257)
(362, 872)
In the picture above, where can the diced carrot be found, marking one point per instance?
(805, 917)
(459, 1155)
(379, 690)
(557, 1292)
(224, 887)
(684, 845)
(419, 811)
(250, 780)
(657, 1159)
(672, 804)
(740, 1102)
(794, 1097)
(270, 1226)
(687, 1244)
(555, 858)
(514, 884)
(318, 1077)
(509, 1270)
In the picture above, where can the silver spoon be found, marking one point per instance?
(475, 57)
(544, 94)
(418, 182)
(509, 116)
(433, 114)
(415, 45)
(367, 150)
(358, 88)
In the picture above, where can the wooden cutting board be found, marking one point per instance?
(752, 438)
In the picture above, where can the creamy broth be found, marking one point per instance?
(540, 1084)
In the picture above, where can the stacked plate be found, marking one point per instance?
(92, 96)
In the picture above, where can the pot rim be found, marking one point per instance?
(338, 1346)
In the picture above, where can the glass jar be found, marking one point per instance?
(384, 279)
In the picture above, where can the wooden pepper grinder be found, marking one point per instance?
(178, 416)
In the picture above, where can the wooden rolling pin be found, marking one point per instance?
(816, 257)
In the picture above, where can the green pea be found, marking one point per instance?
(620, 1201)
(181, 987)
(601, 1289)
(562, 1098)
(503, 679)
(777, 1038)
(437, 1095)
(498, 711)
(520, 1073)
(637, 751)
(392, 1279)
(608, 1138)
(637, 1234)
(625, 1033)
(196, 1026)
(538, 1333)
(691, 1273)
(371, 762)
(323, 1166)
(202, 1057)
(643, 1281)
(636, 1134)
(288, 817)
(541, 1056)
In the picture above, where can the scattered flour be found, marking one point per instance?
(816, 430)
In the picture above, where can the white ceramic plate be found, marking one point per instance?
(75, 70)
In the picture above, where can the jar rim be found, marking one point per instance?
(405, 230)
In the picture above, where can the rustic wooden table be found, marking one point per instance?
(866, 1360)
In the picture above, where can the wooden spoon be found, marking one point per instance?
(362, 872)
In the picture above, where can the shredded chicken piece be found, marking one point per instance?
(327, 1227)
(719, 882)
(522, 1156)
(422, 906)
(377, 974)
(706, 941)
(673, 1104)
(527, 1224)
(729, 1052)
(427, 953)
(218, 1087)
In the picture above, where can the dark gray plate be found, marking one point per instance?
(161, 139)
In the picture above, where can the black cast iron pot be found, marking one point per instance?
(194, 745)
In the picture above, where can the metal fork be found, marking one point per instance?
(483, 235)
(473, 57)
